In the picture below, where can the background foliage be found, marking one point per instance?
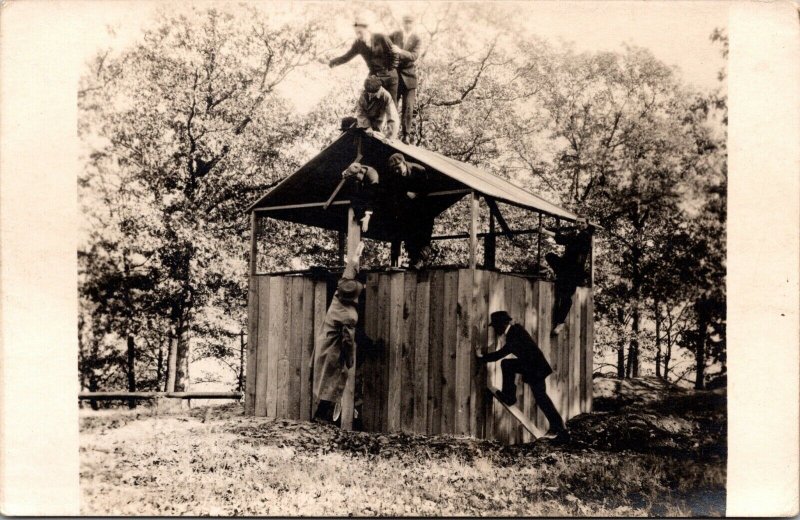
(190, 124)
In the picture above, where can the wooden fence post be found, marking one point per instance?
(490, 245)
(473, 231)
(348, 397)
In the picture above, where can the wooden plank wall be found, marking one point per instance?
(423, 377)
(286, 319)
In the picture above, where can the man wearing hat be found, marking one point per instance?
(363, 180)
(336, 353)
(406, 45)
(570, 268)
(408, 183)
(376, 111)
(378, 53)
(530, 363)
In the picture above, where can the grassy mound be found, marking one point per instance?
(649, 449)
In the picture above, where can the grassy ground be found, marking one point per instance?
(648, 449)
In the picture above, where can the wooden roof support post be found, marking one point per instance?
(394, 255)
(539, 244)
(340, 241)
(591, 261)
(348, 396)
(473, 231)
(490, 245)
(253, 244)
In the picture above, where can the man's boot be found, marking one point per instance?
(324, 413)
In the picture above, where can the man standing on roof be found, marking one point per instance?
(570, 268)
(530, 363)
(414, 220)
(406, 46)
(378, 53)
(375, 110)
(364, 181)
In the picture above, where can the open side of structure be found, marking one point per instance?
(422, 374)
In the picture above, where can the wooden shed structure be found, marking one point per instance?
(427, 324)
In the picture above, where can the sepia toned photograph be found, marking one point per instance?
(403, 259)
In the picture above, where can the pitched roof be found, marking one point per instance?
(298, 197)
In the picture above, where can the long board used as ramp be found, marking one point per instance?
(517, 413)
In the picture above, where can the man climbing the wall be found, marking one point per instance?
(376, 113)
(407, 46)
(336, 354)
(530, 363)
(378, 53)
(570, 268)
(408, 183)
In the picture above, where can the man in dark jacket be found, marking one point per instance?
(378, 53)
(407, 46)
(408, 183)
(363, 180)
(570, 268)
(530, 363)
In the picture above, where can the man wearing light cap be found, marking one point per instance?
(378, 53)
(376, 111)
(407, 46)
(337, 340)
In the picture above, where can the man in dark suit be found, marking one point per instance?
(530, 363)
(570, 268)
(378, 53)
(406, 45)
(405, 190)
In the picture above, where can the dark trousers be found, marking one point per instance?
(389, 82)
(566, 284)
(417, 238)
(409, 98)
(512, 367)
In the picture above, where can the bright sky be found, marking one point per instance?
(676, 32)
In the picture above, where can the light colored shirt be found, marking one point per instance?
(378, 113)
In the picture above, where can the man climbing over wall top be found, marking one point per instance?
(570, 268)
(378, 53)
(375, 110)
(408, 186)
(406, 44)
(530, 363)
(337, 341)
(364, 181)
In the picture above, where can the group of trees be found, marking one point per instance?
(188, 126)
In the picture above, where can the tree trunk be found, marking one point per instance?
(169, 384)
(131, 370)
(182, 357)
(159, 365)
(668, 352)
(629, 364)
(700, 346)
(240, 384)
(657, 316)
(93, 383)
(633, 354)
(621, 349)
